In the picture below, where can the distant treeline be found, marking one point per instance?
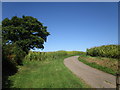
(111, 51)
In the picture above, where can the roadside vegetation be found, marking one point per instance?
(46, 70)
(108, 65)
(104, 58)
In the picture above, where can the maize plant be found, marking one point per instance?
(39, 56)
(111, 51)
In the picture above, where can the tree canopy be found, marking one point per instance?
(26, 32)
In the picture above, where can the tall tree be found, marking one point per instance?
(26, 32)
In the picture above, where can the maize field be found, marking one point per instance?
(39, 56)
(111, 51)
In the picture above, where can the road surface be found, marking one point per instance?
(93, 77)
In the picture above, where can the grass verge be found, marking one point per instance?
(99, 63)
(49, 73)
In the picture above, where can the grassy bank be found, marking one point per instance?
(46, 71)
(108, 65)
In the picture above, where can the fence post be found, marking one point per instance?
(117, 81)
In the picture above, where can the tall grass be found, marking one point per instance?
(110, 51)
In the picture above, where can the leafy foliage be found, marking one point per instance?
(9, 66)
(105, 51)
(27, 32)
(22, 34)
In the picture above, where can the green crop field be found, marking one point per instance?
(111, 51)
(104, 58)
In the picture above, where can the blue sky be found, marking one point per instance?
(72, 25)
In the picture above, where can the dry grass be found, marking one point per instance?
(106, 62)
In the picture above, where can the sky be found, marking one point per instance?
(72, 25)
